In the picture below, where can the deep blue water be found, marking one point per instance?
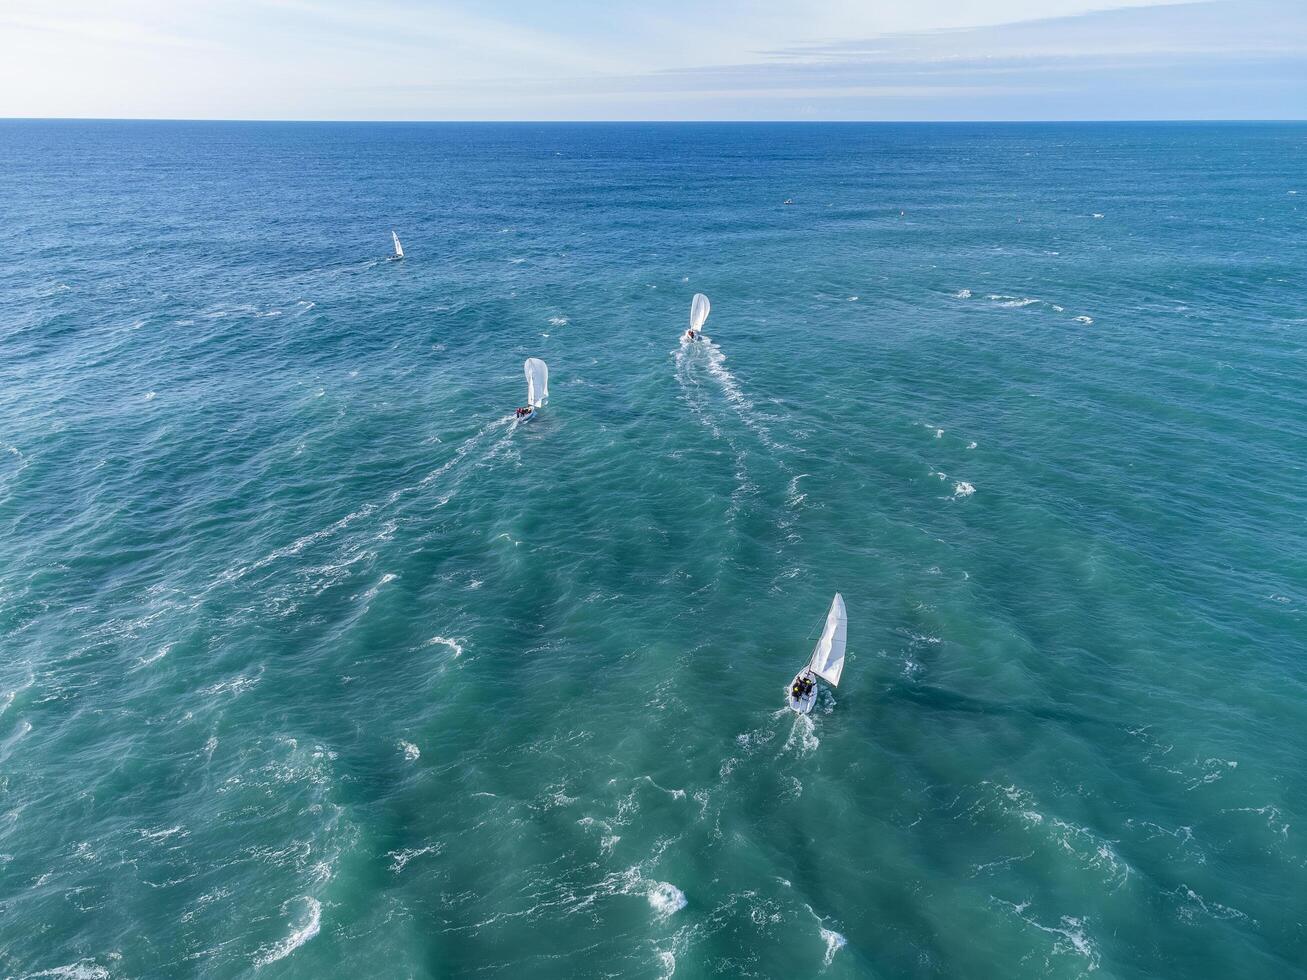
(311, 663)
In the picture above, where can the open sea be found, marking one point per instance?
(313, 663)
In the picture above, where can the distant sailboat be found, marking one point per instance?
(537, 388)
(399, 249)
(699, 307)
(826, 662)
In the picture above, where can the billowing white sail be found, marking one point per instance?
(828, 658)
(699, 308)
(537, 382)
(399, 249)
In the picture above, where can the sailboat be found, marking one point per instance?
(699, 307)
(826, 662)
(399, 249)
(537, 388)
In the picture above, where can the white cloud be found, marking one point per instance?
(597, 59)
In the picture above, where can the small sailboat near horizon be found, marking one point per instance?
(699, 308)
(399, 249)
(825, 664)
(537, 388)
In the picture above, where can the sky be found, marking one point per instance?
(657, 59)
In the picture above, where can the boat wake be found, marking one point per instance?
(715, 359)
(803, 739)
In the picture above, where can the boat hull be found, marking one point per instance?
(801, 706)
(524, 419)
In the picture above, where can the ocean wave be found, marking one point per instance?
(666, 899)
(834, 943)
(235, 686)
(455, 647)
(1192, 904)
(308, 925)
(1072, 938)
(1212, 770)
(399, 859)
(81, 970)
(1012, 302)
(154, 657)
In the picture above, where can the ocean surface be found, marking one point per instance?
(313, 663)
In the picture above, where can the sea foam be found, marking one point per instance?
(309, 922)
(666, 899)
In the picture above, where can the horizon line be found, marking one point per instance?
(658, 122)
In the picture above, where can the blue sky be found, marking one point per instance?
(672, 59)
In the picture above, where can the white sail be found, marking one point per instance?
(399, 249)
(537, 382)
(699, 308)
(828, 658)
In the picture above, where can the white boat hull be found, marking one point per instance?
(802, 705)
(524, 419)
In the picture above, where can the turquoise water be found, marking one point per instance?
(311, 663)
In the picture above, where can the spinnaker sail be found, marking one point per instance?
(828, 657)
(699, 307)
(537, 382)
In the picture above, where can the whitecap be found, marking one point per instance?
(411, 751)
(162, 834)
(853, 299)
(963, 489)
(1086, 320)
(157, 655)
(371, 593)
(398, 859)
(666, 899)
(237, 685)
(81, 970)
(298, 936)
(1097, 214)
(834, 943)
(151, 396)
(558, 321)
(971, 445)
(963, 294)
(453, 645)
